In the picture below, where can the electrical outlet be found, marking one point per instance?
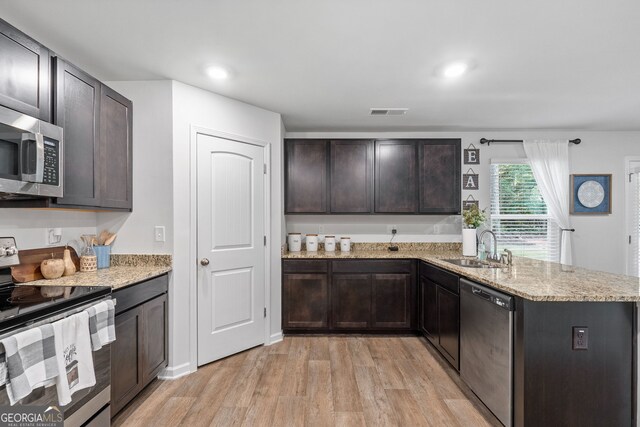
(54, 236)
(391, 228)
(159, 233)
(580, 338)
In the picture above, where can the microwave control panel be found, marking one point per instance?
(51, 175)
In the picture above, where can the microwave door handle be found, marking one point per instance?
(39, 157)
(27, 140)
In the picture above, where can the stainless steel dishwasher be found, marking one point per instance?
(486, 346)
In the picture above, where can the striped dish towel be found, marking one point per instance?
(101, 324)
(31, 361)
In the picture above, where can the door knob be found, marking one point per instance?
(204, 261)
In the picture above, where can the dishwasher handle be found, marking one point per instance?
(502, 300)
(480, 293)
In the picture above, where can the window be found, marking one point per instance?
(519, 215)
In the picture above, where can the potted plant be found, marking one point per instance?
(472, 218)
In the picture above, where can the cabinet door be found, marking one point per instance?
(115, 150)
(351, 301)
(351, 176)
(305, 301)
(154, 354)
(77, 111)
(439, 168)
(126, 369)
(391, 302)
(449, 319)
(429, 307)
(396, 177)
(24, 73)
(306, 176)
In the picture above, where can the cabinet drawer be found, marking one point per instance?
(134, 295)
(372, 266)
(304, 266)
(443, 278)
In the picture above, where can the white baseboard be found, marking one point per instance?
(275, 338)
(175, 372)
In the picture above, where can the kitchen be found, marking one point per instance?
(163, 109)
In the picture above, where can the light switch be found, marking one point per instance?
(159, 233)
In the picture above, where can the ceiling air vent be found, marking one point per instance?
(388, 111)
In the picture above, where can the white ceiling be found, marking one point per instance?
(546, 64)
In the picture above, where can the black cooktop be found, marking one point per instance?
(21, 304)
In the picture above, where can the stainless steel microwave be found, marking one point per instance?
(31, 163)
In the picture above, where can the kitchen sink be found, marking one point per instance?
(472, 263)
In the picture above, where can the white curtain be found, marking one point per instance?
(550, 166)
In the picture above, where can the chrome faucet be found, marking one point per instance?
(494, 255)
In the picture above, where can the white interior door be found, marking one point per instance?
(633, 218)
(231, 251)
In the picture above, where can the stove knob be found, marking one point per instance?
(3, 251)
(12, 250)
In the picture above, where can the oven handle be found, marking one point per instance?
(38, 138)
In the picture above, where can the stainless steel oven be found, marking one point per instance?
(31, 162)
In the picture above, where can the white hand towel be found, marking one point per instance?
(74, 356)
(30, 361)
(102, 324)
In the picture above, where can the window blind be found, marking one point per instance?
(633, 216)
(519, 216)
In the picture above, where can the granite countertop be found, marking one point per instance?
(527, 278)
(125, 270)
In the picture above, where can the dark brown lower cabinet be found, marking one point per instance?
(356, 296)
(440, 311)
(305, 298)
(351, 301)
(141, 347)
(391, 301)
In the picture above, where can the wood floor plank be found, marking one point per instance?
(350, 419)
(172, 411)
(319, 409)
(229, 417)
(406, 408)
(212, 397)
(377, 409)
(295, 382)
(241, 392)
(466, 413)
(281, 347)
(345, 390)
(360, 354)
(290, 411)
(265, 397)
(390, 375)
(319, 348)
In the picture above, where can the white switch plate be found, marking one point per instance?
(159, 233)
(54, 236)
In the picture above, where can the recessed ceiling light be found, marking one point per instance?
(217, 73)
(455, 69)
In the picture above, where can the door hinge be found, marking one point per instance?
(265, 312)
(265, 240)
(265, 168)
(629, 239)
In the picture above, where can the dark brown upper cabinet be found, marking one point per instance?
(396, 176)
(439, 169)
(78, 113)
(116, 171)
(306, 162)
(25, 73)
(351, 176)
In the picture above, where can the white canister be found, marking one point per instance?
(312, 243)
(329, 243)
(295, 242)
(469, 247)
(345, 244)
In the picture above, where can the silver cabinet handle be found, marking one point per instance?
(204, 261)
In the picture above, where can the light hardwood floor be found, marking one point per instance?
(315, 381)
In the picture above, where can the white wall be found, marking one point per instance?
(599, 241)
(197, 107)
(29, 226)
(152, 171)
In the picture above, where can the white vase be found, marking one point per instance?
(469, 247)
